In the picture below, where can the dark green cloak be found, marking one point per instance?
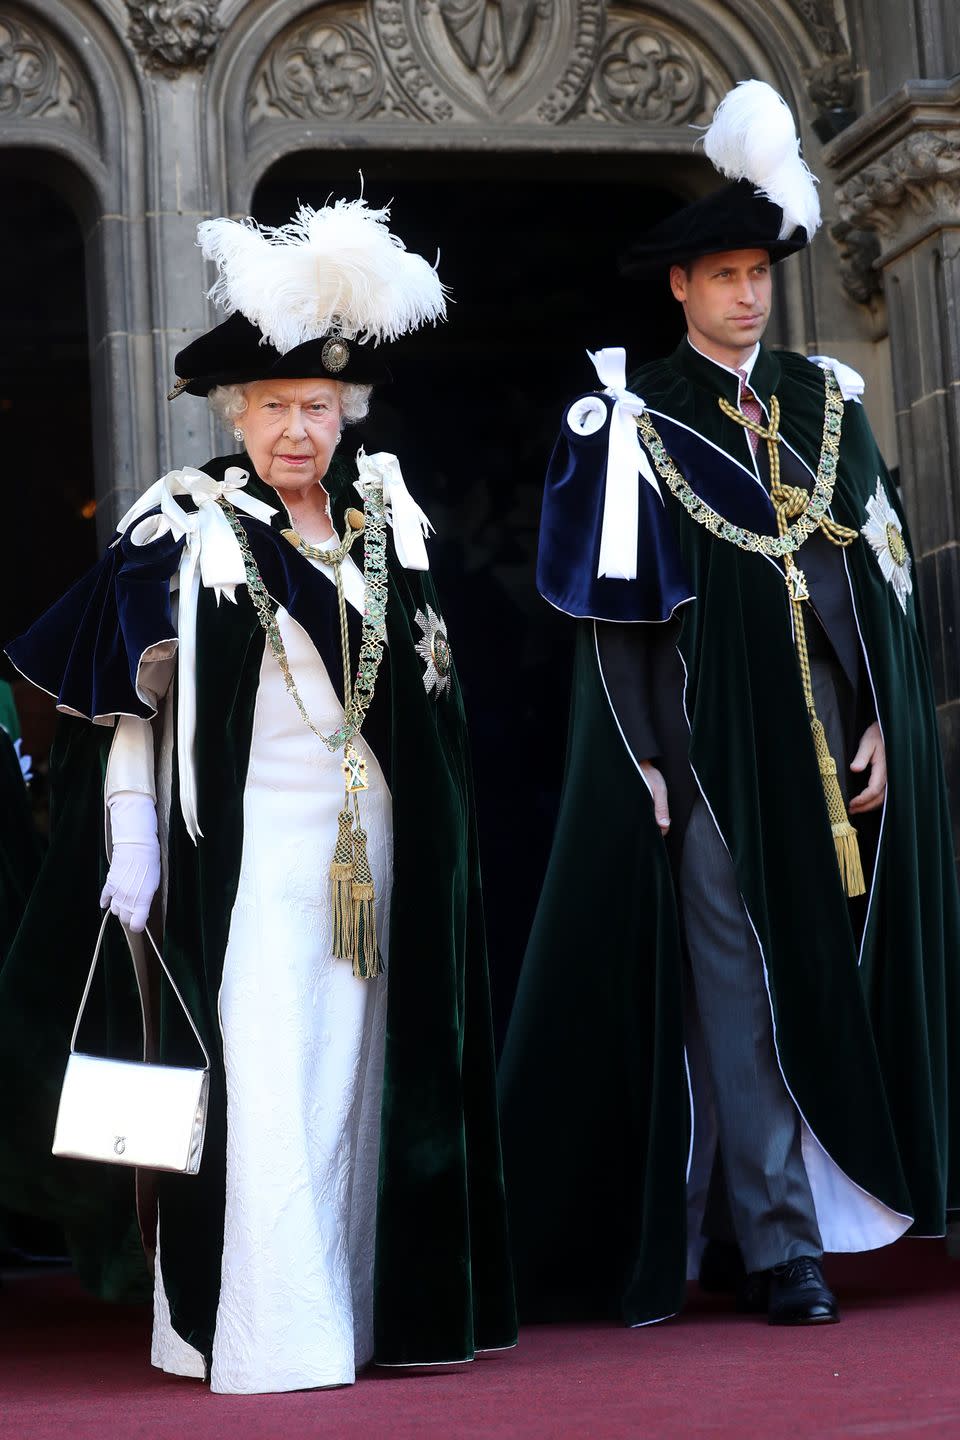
(443, 1288)
(19, 842)
(866, 1007)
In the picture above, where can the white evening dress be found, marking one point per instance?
(303, 1048)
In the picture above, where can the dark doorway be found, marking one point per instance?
(45, 419)
(530, 248)
(45, 426)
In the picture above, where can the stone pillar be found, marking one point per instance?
(172, 44)
(898, 199)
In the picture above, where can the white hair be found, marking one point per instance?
(228, 402)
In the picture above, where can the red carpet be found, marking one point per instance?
(74, 1369)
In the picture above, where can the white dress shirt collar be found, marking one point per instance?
(747, 365)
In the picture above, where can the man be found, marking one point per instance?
(776, 934)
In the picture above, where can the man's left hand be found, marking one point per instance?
(872, 753)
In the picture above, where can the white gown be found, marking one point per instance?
(303, 1047)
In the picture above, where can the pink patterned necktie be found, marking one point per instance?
(751, 407)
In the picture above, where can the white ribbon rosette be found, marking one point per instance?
(626, 462)
(410, 525)
(851, 384)
(211, 556)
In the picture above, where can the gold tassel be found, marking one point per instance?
(791, 501)
(341, 886)
(844, 836)
(366, 953)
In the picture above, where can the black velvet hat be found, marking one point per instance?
(772, 203)
(319, 297)
(735, 217)
(235, 352)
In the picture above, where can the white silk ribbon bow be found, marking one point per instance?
(626, 462)
(410, 525)
(211, 556)
(852, 385)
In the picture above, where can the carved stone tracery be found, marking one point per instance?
(38, 80)
(174, 35)
(323, 71)
(540, 62)
(653, 75)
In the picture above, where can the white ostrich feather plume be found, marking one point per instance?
(753, 137)
(337, 270)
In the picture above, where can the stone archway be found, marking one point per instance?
(486, 76)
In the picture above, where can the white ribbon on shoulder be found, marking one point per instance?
(211, 556)
(626, 462)
(852, 385)
(410, 525)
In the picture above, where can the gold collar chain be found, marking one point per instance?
(798, 515)
(815, 506)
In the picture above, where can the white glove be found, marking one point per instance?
(134, 874)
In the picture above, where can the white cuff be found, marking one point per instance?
(131, 765)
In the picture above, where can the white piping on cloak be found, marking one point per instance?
(807, 1128)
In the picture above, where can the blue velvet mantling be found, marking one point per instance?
(720, 482)
(570, 526)
(87, 647)
(572, 516)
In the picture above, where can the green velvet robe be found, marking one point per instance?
(20, 849)
(865, 1001)
(443, 1286)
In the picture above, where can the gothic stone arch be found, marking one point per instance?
(582, 76)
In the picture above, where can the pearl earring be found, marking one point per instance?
(238, 435)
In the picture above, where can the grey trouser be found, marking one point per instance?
(770, 1204)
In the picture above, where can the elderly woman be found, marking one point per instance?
(274, 702)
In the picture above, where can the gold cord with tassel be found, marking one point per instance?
(366, 952)
(352, 897)
(789, 501)
(341, 887)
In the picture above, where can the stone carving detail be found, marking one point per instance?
(650, 75)
(581, 60)
(916, 181)
(325, 70)
(820, 17)
(38, 81)
(859, 252)
(920, 176)
(490, 36)
(830, 84)
(174, 35)
(535, 62)
(409, 66)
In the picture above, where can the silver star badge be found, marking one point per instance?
(434, 649)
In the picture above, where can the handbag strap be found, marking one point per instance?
(163, 963)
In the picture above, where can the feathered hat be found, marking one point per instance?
(772, 203)
(319, 296)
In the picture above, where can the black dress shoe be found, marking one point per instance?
(799, 1295)
(721, 1268)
